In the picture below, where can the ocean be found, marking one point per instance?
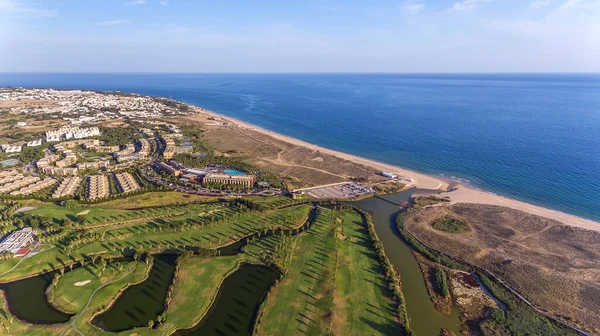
(533, 137)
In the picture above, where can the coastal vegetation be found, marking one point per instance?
(450, 225)
(518, 317)
(441, 283)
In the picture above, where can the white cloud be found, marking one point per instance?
(163, 2)
(413, 7)
(467, 5)
(16, 8)
(135, 2)
(111, 22)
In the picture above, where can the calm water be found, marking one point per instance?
(424, 318)
(234, 311)
(533, 137)
(143, 302)
(28, 302)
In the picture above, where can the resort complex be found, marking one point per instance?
(133, 215)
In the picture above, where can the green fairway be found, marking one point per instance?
(209, 236)
(362, 303)
(302, 301)
(96, 215)
(155, 199)
(196, 285)
(75, 288)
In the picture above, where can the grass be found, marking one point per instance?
(209, 236)
(96, 215)
(302, 301)
(102, 296)
(217, 235)
(71, 298)
(155, 199)
(271, 201)
(105, 295)
(362, 302)
(197, 283)
(450, 225)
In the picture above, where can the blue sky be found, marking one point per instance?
(300, 36)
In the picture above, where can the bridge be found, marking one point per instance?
(389, 200)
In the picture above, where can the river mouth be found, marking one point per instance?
(235, 308)
(27, 300)
(424, 318)
(142, 302)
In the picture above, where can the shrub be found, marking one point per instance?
(450, 225)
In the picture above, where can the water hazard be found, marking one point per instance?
(27, 300)
(143, 302)
(425, 320)
(234, 311)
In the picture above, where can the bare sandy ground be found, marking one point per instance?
(460, 194)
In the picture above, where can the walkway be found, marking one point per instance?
(72, 324)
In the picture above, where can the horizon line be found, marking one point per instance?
(299, 73)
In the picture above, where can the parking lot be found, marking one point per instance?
(346, 190)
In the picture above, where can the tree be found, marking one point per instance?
(150, 324)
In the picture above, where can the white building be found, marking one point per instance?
(69, 132)
(13, 149)
(388, 175)
(34, 143)
(17, 240)
(21, 124)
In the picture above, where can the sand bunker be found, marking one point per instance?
(25, 208)
(318, 159)
(339, 234)
(82, 283)
(84, 212)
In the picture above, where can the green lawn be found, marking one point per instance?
(301, 303)
(155, 199)
(96, 215)
(69, 297)
(209, 236)
(197, 283)
(102, 297)
(363, 303)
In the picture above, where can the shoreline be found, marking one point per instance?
(457, 191)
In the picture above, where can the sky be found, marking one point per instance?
(300, 36)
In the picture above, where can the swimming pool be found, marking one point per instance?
(233, 172)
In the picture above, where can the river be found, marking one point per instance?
(425, 320)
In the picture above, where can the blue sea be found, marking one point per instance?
(534, 137)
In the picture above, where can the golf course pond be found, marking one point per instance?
(235, 308)
(27, 300)
(142, 302)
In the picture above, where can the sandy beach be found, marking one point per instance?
(459, 194)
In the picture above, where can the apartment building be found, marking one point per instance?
(18, 184)
(97, 187)
(67, 187)
(71, 132)
(93, 165)
(34, 143)
(126, 182)
(35, 187)
(245, 180)
(168, 169)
